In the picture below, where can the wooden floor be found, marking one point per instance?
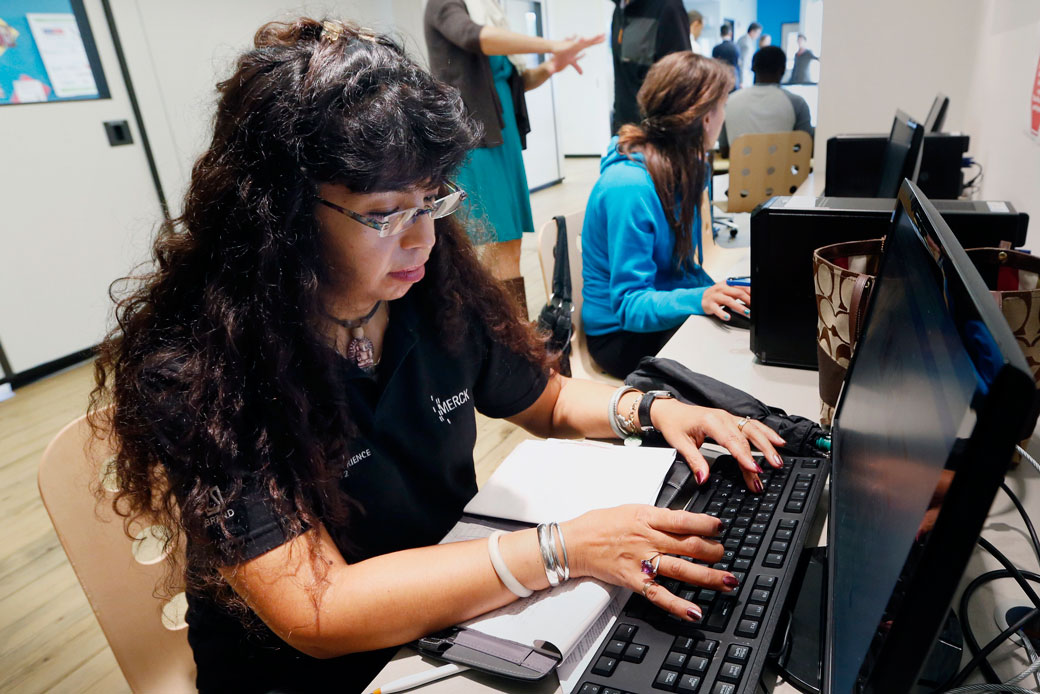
(49, 639)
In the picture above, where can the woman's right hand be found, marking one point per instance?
(721, 298)
(611, 545)
(570, 51)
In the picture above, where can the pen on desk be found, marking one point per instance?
(744, 281)
(399, 685)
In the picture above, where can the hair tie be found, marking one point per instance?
(330, 31)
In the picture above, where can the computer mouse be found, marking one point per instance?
(736, 320)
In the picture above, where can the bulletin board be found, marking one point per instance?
(47, 53)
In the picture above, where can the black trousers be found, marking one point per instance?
(619, 353)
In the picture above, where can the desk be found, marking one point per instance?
(708, 347)
(811, 186)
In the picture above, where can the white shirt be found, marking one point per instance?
(764, 108)
(695, 46)
(747, 47)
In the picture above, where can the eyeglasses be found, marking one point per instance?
(393, 224)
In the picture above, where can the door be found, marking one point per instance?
(542, 158)
(77, 211)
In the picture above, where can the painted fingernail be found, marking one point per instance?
(700, 476)
(758, 466)
(778, 460)
(725, 316)
(694, 614)
(757, 483)
(747, 312)
(730, 581)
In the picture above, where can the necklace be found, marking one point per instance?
(360, 350)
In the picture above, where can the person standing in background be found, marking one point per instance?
(696, 20)
(641, 33)
(802, 61)
(765, 107)
(763, 41)
(472, 49)
(727, 52)
(748, 45)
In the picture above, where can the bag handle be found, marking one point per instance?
(561, 281)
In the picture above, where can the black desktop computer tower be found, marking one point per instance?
(854, 165)
(786, 231)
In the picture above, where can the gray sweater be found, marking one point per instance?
(453, 42)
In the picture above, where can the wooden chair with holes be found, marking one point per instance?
(582, 364)
(766, 164)
(122, 577)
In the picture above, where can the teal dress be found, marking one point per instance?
(498, 201)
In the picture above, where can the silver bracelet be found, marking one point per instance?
(563, 546)
(612, 415)
(502, 569)
(545, 545)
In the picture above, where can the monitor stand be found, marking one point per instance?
(800, 642)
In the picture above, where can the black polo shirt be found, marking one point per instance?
(410, 473)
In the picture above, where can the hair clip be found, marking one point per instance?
(331, 31)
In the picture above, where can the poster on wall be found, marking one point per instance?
(47, 53)
(1034, 104)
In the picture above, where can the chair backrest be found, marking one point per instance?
(120, 575)
(762, 165)
(582, 364)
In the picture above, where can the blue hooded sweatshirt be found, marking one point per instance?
(631, 280)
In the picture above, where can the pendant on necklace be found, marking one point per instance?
(360, 350)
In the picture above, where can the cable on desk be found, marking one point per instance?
(1034, 666)
(969, 636)
(986, 650)
(1029, 459)
(1025, 518)
(1010, 688)
(1016, 573)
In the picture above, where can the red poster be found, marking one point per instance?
(1036, 102)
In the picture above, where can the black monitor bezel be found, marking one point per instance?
(933, 123)
(1001, 419)
(911, 165)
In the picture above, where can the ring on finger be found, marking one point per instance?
(743, 421)
(646, 586)
(649, 566)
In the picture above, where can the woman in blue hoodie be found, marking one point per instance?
(641, 247)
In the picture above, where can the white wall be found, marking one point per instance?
(583, 102)
(178, 51)
(742, 12)
(998, 117)
(983, 55)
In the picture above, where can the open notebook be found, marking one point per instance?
(556, 480)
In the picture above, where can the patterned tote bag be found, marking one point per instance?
(844, 277)
(1012, 278)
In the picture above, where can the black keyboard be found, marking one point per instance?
(650, 650)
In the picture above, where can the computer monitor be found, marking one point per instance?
(937, 394)
(902, 155)
(937, 115)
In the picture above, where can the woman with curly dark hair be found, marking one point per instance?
(295, 383)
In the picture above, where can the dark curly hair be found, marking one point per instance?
(217, 363)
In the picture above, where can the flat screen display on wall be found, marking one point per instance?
(47, 53)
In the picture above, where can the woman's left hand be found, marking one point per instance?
(685, 427)
(570, 51)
